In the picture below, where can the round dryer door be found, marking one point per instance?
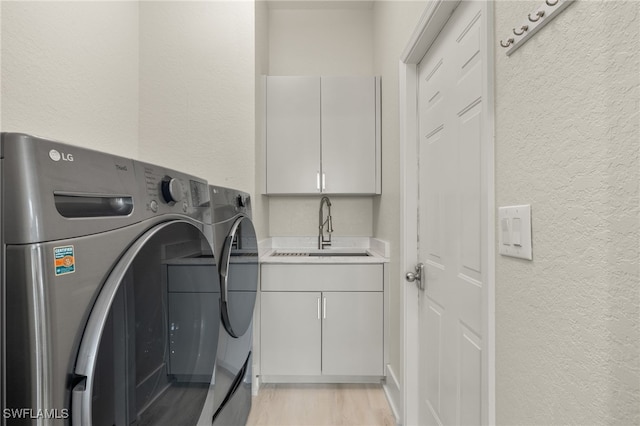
(148, 352)
(239, 277)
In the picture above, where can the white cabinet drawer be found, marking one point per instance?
(326, 277)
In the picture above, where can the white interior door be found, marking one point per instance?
(452, 222)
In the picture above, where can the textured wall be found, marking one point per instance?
(333, 39)
(567, 142)
(197, 77)
(394, 22)
(70, 72)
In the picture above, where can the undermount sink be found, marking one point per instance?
(326, 253)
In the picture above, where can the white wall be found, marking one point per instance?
(333, 38)
(394, 22)
(70, 72)
(167, 82)
(567, 142)
(197, 77)
(261, 202)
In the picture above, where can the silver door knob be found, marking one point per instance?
(411, 277)
(417, 276)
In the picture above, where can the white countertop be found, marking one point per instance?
(296, 250)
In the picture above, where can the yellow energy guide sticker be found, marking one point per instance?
(65, 261)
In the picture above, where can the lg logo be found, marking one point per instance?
(57, 156)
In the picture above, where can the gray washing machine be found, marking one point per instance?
(94, 331)
(236, 248)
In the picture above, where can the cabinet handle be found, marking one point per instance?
(318, 308)
(318, 181)
(324, 186)
(324, 308)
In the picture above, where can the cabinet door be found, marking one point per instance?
(293, 135)
(349, 160)
(352, 333)
(290, 333)
(189, 315)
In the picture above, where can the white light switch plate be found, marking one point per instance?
(515, 231)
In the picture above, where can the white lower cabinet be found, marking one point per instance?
(290, 334)
(322, 333)
(352, 334)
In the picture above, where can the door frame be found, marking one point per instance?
(432, 21)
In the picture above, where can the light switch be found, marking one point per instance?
(515, 231)
(506, 232)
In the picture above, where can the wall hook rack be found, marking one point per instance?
(522, 30)
(537, 19)
(508, 43)
(539, 14)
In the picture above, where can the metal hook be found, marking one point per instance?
(539, 15)
(509, 42)
(551, 3)
(522, 30)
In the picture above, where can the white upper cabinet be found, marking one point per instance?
(293, 134)
(348, 129)
(323, 135)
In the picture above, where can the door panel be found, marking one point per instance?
(432, 326)
(470, 379)
(470, 302)
(129, 369)
(452, 230)
(470, 191)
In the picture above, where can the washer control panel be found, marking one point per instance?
(170, 191)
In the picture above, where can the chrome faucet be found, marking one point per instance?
(322, 242)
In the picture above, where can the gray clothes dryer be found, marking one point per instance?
(94, 333)
(236, 249)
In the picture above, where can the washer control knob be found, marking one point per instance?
(171, 190)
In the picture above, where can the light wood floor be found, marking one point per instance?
(329, 405)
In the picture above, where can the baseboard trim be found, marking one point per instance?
(320, 379)
(391, 389)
